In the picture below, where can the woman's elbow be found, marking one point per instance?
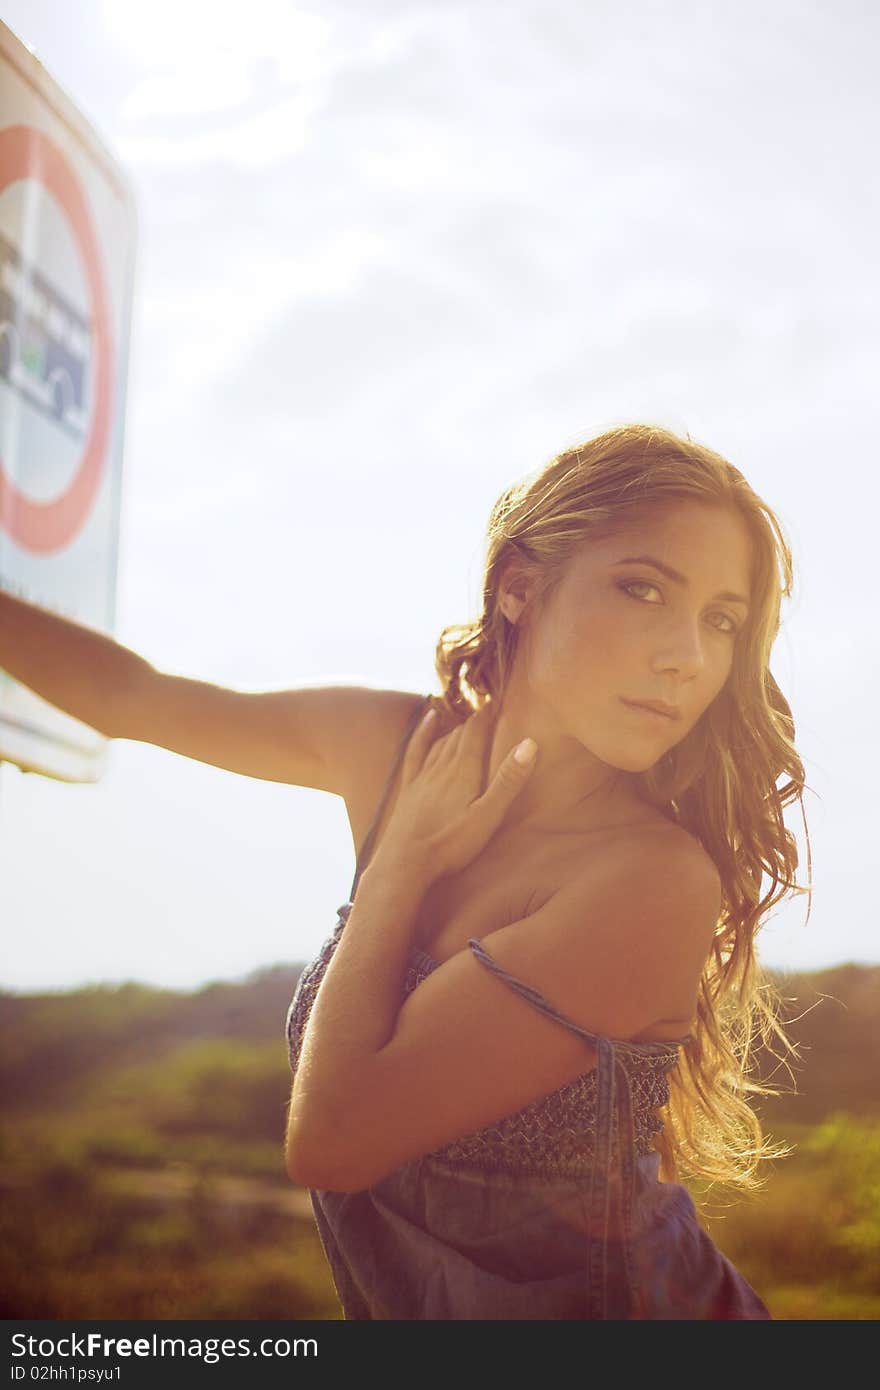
(298, 1163)
(316, 1165)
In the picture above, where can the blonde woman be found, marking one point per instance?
(537, 1008)
(534, 1018)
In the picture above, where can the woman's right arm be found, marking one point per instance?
(313, 736)
(81, 671)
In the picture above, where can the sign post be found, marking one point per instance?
(67, 241)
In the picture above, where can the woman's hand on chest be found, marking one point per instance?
(443, 818)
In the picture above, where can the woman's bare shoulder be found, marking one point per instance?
(380, 719)
(658, 834)
(645, 912)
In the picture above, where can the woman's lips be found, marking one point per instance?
(649, 713)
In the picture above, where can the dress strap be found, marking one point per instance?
(613, 1098)
(647, 1048)
(527, 991)
(367, 846)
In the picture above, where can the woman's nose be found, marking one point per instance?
(682, 650)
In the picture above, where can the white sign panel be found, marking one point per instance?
(67, 236)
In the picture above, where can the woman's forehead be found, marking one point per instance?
(681, 533)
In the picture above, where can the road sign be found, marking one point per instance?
(67, 239)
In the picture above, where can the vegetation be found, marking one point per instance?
(142, 1173)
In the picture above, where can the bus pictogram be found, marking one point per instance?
(45, 343)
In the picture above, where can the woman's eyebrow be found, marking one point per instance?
(670, 573)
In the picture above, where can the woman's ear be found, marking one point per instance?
(516, 588)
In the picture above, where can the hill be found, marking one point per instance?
(831, 1015)
(142, 1171)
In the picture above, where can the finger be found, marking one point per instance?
(508, 782)
(524, 753)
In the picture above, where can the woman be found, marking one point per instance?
(550, 935)
(542, 994)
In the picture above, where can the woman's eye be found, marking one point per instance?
(729, 631)
(639, 584)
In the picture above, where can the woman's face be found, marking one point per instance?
(617, 629)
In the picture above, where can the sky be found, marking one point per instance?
(391, 256)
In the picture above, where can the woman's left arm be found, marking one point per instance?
(357, 1005)
(442, 819)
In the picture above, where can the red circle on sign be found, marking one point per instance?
(26, 153)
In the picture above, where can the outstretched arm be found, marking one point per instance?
(310, 736)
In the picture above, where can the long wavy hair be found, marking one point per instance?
(720, 783)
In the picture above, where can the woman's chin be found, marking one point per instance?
(634, 761)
